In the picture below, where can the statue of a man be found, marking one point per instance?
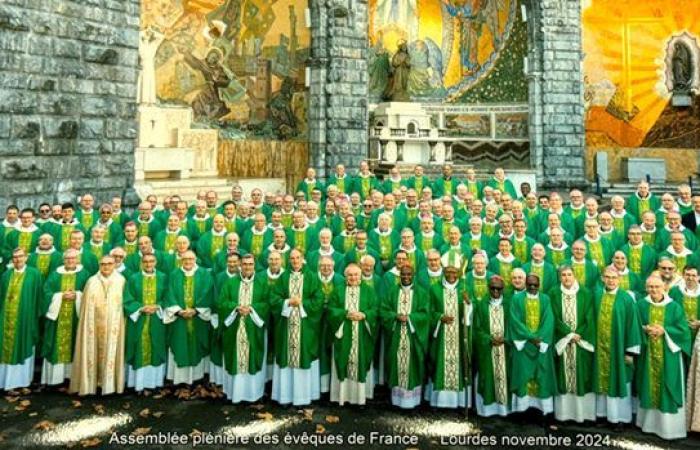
(682, 67)
(397, 89)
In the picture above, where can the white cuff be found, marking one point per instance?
(636, 349)
(302, 311)
(339, 333)
(437, 330)
(135, 316)
(543, 347)
(256, 318)
(55, 306)
(563, 342)
(469, 312)
(204, 313)
(286, 309)
(586, 346)
(231, 318)
(214, 321)
(410, 326)
(671, 345)
(369, 331)
(170, 315)
(519, 345)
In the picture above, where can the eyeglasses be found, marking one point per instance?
(666, 268)
(44, 210)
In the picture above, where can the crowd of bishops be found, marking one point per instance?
(454, 292)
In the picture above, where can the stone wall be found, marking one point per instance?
(68, 77)
(557, 135)
(338, 93)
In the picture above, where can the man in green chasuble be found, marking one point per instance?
(405, 314)
(329, 281)
(660, 374)
(45, 257)
(243, 307)
(60, 306)
(574, 335)
(531, 332)
(20, 297)
(187, 315)
(25, 236)
(352, 317)
(144, 299)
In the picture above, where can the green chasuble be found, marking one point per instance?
(650, 238)
(87, 218)
(477, 286)
(557, 256)
(505, 186)
(659, 375)
(427, 242)
(61, 234)
(573, 313)
(364, 185)
(274, 284)
(533, 369)
(406, 343)
(617, 331)
(522, 248)
(586, 273)
(447, 341)
(20, 294)
(681, 259)
(690, 301)
(188, 339)
(150, 228)
(305, 239)
(641, 260)
(426, 278)
(343, 243)
(130, 248)
(503, 266)
(600, 252)
(384, 243)
(637, 206)
(297, 329)
(353, 341)
(546, 272)
(145, 336)
(27, 240)
(328, 286)
(59, 329)
(444, 187)
(244, 336)
(45, 261)
(209, 245)
(255, 242)
(492, 361)
(165, 240)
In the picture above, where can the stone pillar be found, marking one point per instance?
(67, 102)
(338, 91)
(557, 136)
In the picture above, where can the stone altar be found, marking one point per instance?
(636, 169)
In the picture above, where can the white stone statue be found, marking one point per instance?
(150, 40)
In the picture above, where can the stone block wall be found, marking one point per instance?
(68, 80)
(556, 93)
(338, 86)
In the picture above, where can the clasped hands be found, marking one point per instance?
(69, 295)
(294, 301)
(243, 310)
(654, 331)
(187, 313)
(149, 309)
(355, 316)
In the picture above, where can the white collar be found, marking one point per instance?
(646, 230)
(684, 289)
(681, 228)
(201, 219)
(532, 297)
(312, 221)
(148, 275)
(563, 247)
(591, 240)
(573, 290)
(408, 250)
(231, 275)
(304, 228)
(383, 233)
(503, 259)
(328, 252)
(150, 219)
(326, 279)
(189, 273)
(685, 252)
(577, 208)
(437, 273)
(285, 249)
(32, 228)
(62, 269)
(617, 215)
(243, 279)
(7, 224)
(39, 251)
(309, 180)
(496, 301)
(448, 285)
(475, 237)
(218, 233)
(640, 245)
(663, 302)
(474, 274)
(429, 234)
(623, 272)
(537, 264)
(613, 292)
(258, 232)
(106, 224)
(274, 276)
(73, 222)
(96, 244)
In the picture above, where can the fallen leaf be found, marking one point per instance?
(158, 414)
(33, 414)
(26, 391)
(13, 393)
(183, 394)
(11, 399)
(77, 403)
(332, 419)
(145, 413)
(264, 416)
(20, 408)
(320, 429)
(45, 425)
(25, 403)
(126, 405)
(99, 409)
(141, 431)
(94, 442)
(308, 414)
(146, 393)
